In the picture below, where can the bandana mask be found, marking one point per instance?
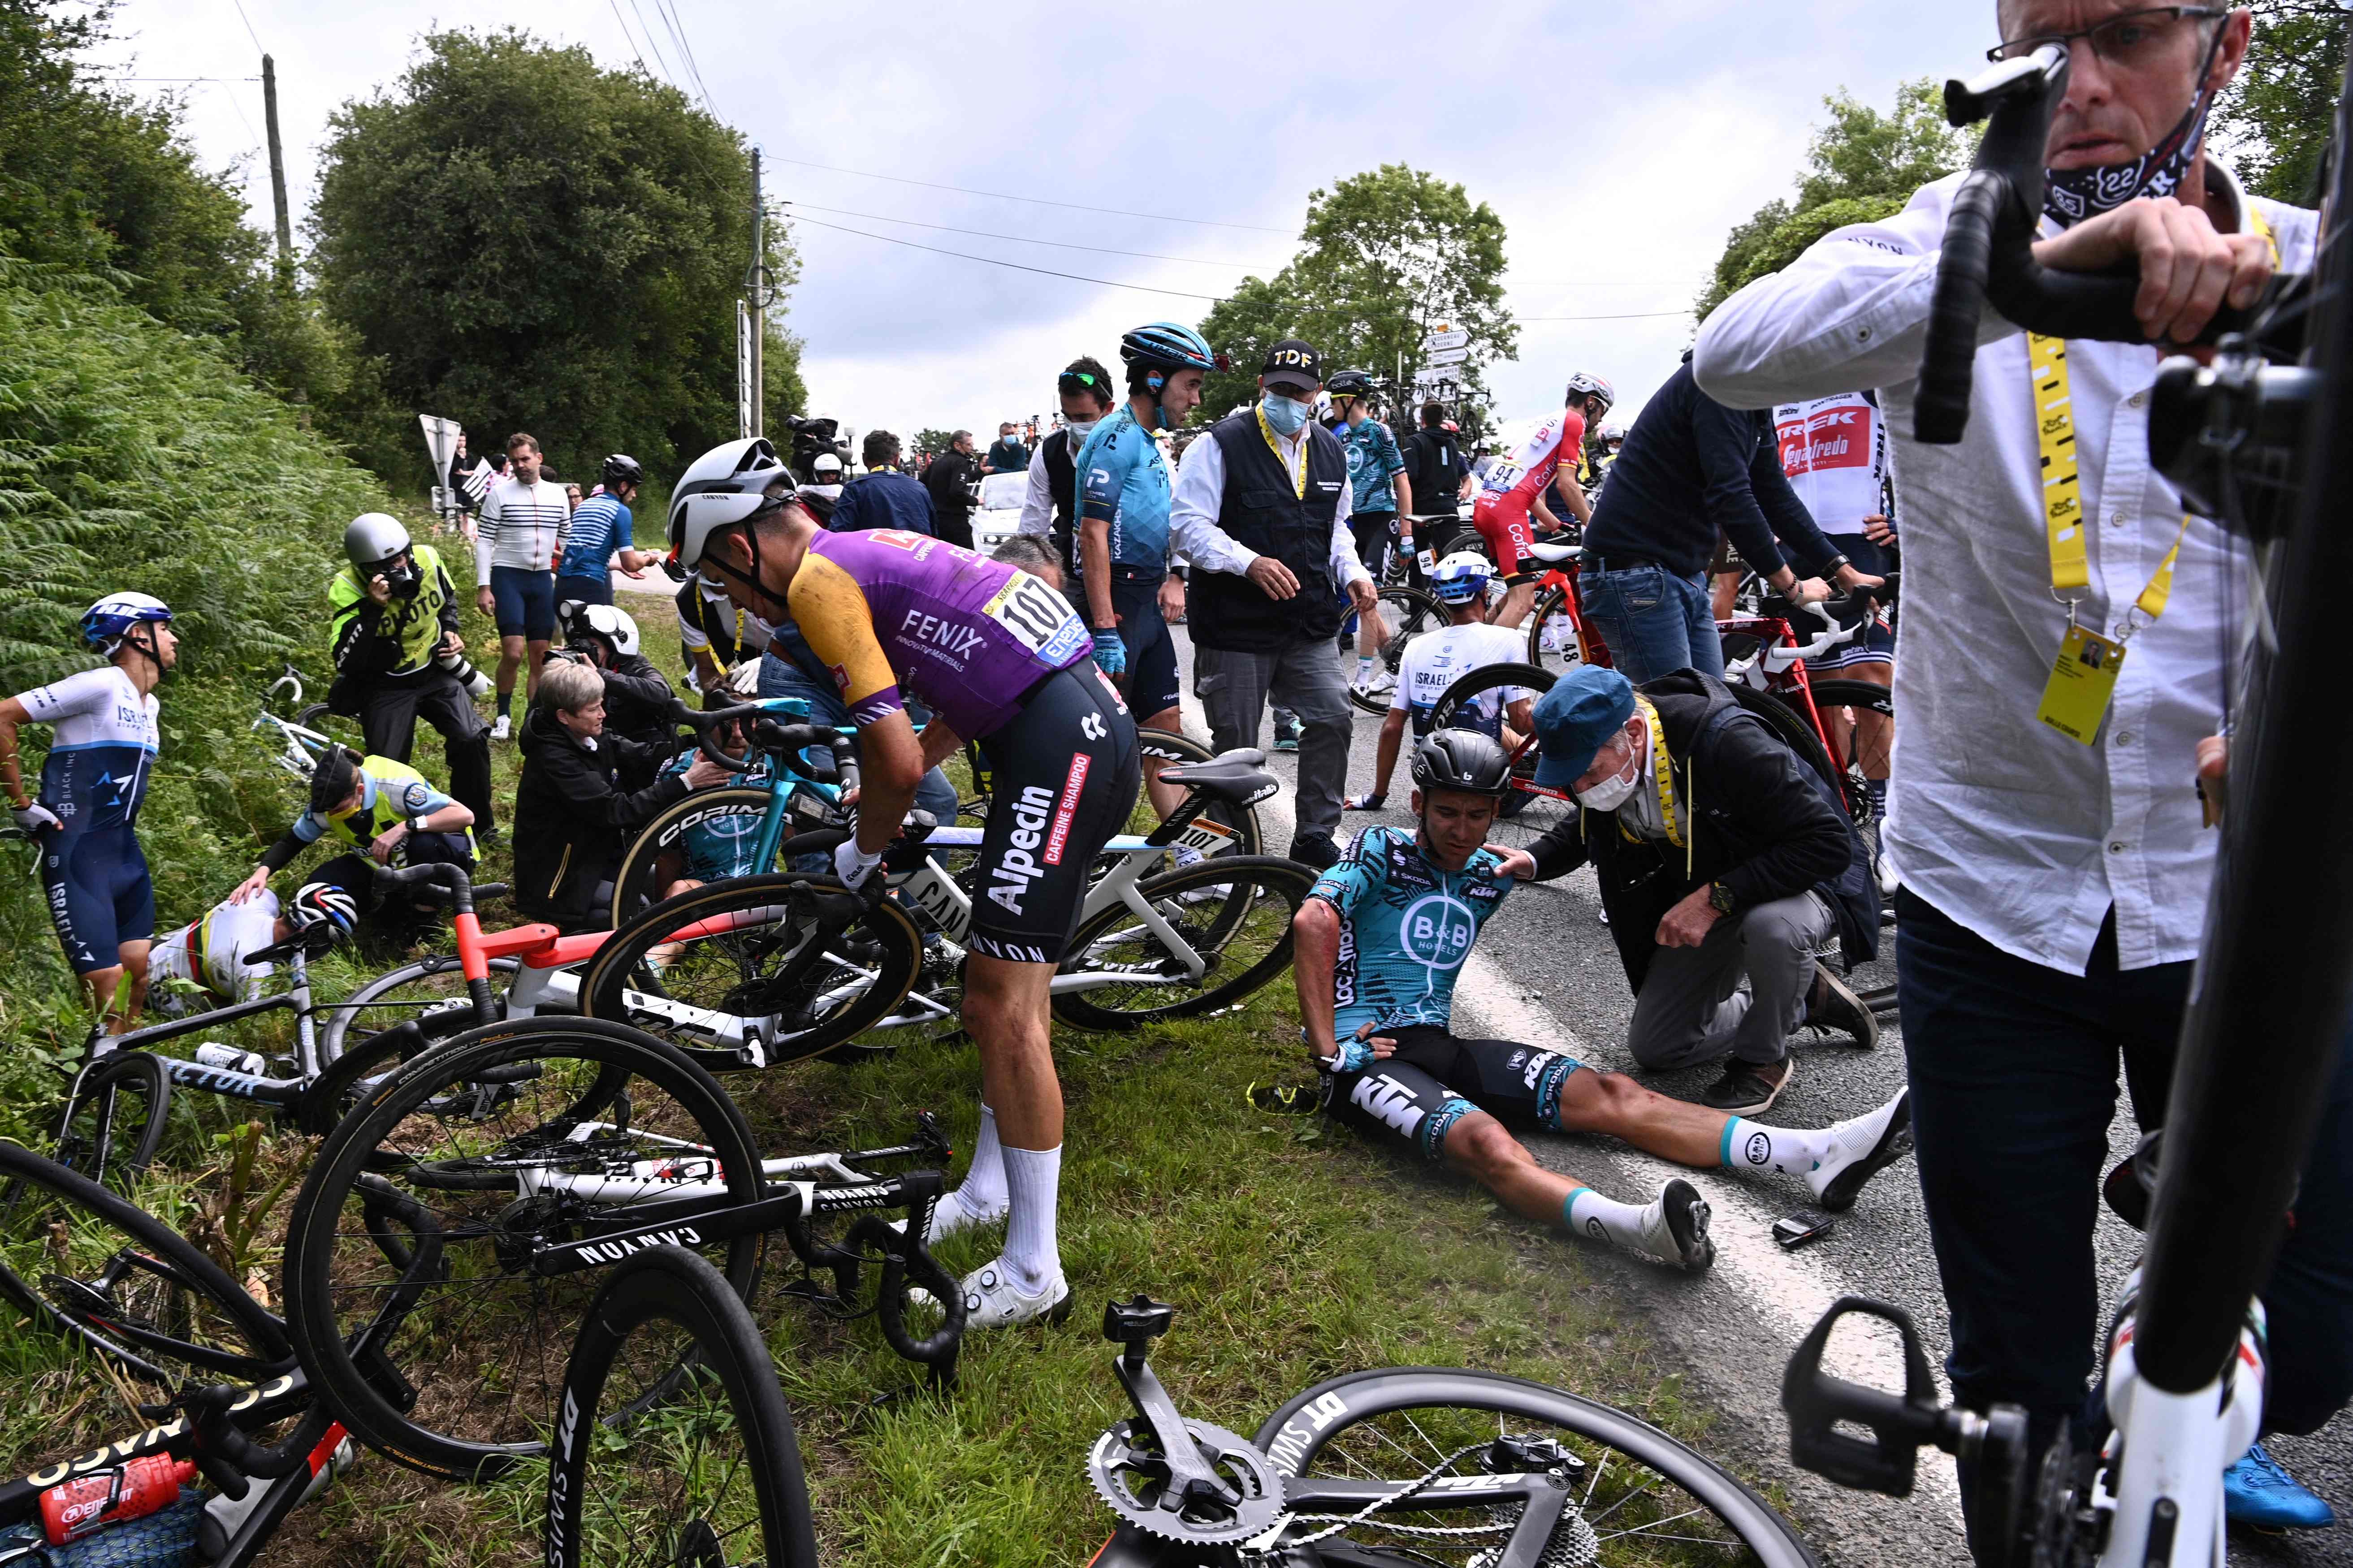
(2071, 195)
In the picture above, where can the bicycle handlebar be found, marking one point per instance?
(443, 883)
(763, 733)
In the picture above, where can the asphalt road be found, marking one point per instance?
(1545, 971)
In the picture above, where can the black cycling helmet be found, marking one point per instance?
(621, 468)
(1350, 384)
(1461, 759)
(333, 775)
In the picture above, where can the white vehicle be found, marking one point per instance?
(999, 516)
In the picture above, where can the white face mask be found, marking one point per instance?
(1612, 793)
(1080, 429)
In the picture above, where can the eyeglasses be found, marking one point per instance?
(2135, 38)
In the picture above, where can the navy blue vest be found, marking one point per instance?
(1263, 514)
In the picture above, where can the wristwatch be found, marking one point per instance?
(1719, 898)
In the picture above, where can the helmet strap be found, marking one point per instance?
(154, 655)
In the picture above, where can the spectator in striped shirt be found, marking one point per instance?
(514, 565)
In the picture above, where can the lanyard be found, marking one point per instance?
(1663, 770)
(1299, 474)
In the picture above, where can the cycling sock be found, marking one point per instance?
(506, 704)
(1756, 1149)
(1364, 668)
(1587, 1213)
(982, 1193)
(1877, 790)
(1034, 1177)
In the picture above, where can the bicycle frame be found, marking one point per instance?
(302, 745)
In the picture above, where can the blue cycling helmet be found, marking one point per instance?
(1461, 577)
(105, 624)
(1170, 347)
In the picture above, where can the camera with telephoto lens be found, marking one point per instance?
(812, 439)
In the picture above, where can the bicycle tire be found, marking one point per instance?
(443, 969)
(1360, 1402)
(666, 1287)
(393, 1170)
(114, 1119)
(883, 930)
(1407, 613)
(1214, 924)
(1525, 816)
(1870, 697)
(140, 1294)
(664, 833)
(1172, 749)
(1571, 653)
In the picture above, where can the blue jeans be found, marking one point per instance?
(782, 678)
(1653, 621)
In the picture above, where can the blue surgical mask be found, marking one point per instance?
(1288, 415)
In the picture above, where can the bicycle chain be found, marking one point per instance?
(1582, 1548)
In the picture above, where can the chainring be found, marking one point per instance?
(1129, 1473)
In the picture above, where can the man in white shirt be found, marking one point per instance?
(515, 547)
(2054, 890)
(1436, 660)
(1260, 508)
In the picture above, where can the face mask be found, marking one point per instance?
(1610, 792)
(767, 629)
(1080, 429)
(1288, 415)
(2071, 195)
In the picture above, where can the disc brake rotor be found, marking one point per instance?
(1131, 1474)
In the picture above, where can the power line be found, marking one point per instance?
(627, 39)
(1040, 201)
(668, 10)
(103, 78)
(249, 25)
(1016, 265)
(1019, 240)
(654, 43)
(1628, 316)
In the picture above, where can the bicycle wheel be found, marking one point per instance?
(413, 990)
(1405, 613)
(416, 1229)
(675, 1448)
(1169, 749)
(114, 1120)
(766, 960)
(1234, 913)
(1552, 633)
(1864, 697)
(657, 856)
(1639, 1495)
(1525, 816)
(92, 1267)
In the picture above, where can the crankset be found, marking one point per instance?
(1168, 1476)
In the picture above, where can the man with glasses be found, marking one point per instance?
(2055, 879)
(1050, 501)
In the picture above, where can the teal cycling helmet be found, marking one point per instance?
(1168, 346)
(1461, 577)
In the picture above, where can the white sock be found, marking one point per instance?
(1035, 1178)
(1641, 1230)
(1754, 1149)
(982, 1194)
(1363, 666)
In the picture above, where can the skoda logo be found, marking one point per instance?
(1436, 932)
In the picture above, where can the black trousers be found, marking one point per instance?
(388, 715)
(2013, 1074)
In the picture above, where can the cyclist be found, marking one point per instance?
(1379, 494)
(102, 746)
(210, 952)
(1515, 486)
(1002, 660)
(1437, 660)
(1381, 940)
(391, 814)
(636, 694)
(392, 622)
(1049, 503)
(600, 528)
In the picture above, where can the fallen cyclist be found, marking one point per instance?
(1380, 942)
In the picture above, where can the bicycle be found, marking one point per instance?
(2263, 447)
(301, 739)
(1763, 653)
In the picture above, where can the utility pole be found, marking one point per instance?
(277, 170)
(757, 290)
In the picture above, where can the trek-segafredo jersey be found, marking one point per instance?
(101, 751)
(1405, 929)
(1834, 450)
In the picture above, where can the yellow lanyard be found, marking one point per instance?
(1299, 474)
(1662, 769)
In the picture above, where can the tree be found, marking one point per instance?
(1860, 167)
(931, 441)
(2277, 115)
(523, 241)
(1390, 255)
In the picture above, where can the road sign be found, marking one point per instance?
(1454, 340)
(1448, 356)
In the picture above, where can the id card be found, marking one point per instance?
(2082, 679)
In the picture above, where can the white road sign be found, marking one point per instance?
(1454, 340)
(1448, 356)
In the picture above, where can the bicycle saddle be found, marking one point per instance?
(1230, 778)
(1554, 554)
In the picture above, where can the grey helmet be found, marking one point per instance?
(373, 538)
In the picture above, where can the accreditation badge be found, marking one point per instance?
(2082, 679)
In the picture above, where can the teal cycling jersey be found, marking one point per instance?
(721, 847)
(1405, 927)
(1374, 462)
(1123, 481)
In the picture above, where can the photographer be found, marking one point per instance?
(637, 695)
(392, 624)
(583, 793)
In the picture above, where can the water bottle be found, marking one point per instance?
(74, 1508)
(229, 1058)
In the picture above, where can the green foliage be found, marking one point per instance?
(1391, 254)
(2277, 116)
(522, 241)
(930, 439)
(1860, 167)
(135, 456)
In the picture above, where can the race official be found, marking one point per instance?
(2056, 869)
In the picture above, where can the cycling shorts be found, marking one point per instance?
(1374, 531)
(1434, 1079)
(1152, 684)
(1066, 772)
(588, 590)
(100, 894)
(1506, 529)
(524, 602)
(1878, 642)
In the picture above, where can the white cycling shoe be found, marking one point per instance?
(991, 1299)
(1379, 683)
(501, 728)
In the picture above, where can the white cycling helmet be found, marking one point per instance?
(727, 485)
(615, 625)
(1461, 577)
(324, 902)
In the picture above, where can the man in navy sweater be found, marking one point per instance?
(885, 498)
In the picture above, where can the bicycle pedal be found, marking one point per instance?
(1286, 1099)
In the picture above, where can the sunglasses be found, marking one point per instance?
(1080, 380)
(2135, 38)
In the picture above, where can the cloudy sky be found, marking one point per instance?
(1619, 145)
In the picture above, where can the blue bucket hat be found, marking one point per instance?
(1576, 719)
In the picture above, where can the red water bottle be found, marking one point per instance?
(74, 1508)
